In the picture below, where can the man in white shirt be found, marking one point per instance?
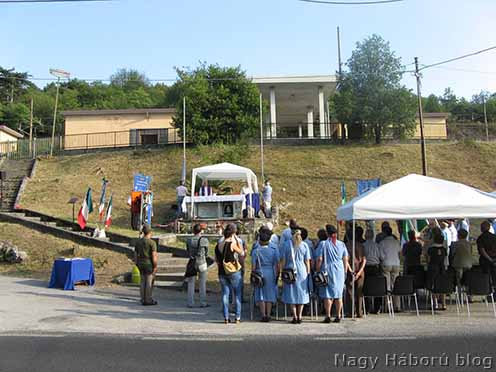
(389, 253)
(453, 231)
(181, 192)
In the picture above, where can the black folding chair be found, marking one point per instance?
(376, 286)
(444, 284)
(478, 283)
(419, 275)
(404, 287)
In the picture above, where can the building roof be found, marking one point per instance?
(146, 111)
(435, 115)
(9, 131)
(314, 79)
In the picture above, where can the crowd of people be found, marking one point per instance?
(323, 267)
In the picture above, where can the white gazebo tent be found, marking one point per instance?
(221, 172)
(418, 197)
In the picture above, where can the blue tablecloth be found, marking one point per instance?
(66, 272)
(256, 202)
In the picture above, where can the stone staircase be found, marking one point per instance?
(16, 171)
(172, 263)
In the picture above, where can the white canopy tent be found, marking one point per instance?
(417, 197)
(223, 171)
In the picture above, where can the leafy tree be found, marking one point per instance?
(432, 104)
(375, 103)
(13, 84)
(448, 100)
(222, 104)
(15, 115)
(129, 79)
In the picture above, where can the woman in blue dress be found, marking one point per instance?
(296, 255)
(332, 258)
(265, 260)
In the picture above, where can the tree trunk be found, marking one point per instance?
(378, 134)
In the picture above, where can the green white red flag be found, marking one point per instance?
(108, 215)
(85, 210)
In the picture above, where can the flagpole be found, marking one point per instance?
(183, 175)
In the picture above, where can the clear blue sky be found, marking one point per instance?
(265, 37)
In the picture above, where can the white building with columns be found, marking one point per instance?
(298, 106)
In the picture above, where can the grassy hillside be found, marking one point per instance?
(47, 248)
(306, 180)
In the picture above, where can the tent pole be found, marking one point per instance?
(353, 281)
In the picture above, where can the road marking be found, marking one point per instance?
(354, 338)
(193, 339)
(41, 335)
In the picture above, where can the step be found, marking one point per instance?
(170, 277)
(169, 284)
(170, 269)
(172, 262)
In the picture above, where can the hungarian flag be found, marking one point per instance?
(108, 216)
(85, 210)
(101, 205)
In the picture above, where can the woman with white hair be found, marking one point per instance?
(295, 261)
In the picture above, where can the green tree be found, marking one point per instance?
(129, 79)
(13, 84)
(432, 104)
(376, 104)
(222, 104)
(14, 115)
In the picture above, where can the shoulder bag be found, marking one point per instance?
(256, 277)
(288, 275)
(230, 267)
(321, 278)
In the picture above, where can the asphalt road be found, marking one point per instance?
(203, 353)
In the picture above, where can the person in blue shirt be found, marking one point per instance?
(265, 260)
(267, 199)
(296, 256)
(287, 234)
(332, 257)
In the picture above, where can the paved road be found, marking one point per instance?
(202, 353)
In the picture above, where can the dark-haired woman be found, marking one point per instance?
(265, 260)
(228, 251)
(437, 253)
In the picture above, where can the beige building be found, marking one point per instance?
(118, 128)
(435, 126)
(8, 139)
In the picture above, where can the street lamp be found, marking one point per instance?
(59, 74)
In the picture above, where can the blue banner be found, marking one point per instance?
(142, 183)
(364, 186)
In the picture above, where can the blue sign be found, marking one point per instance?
(364, 186)
(142, 183)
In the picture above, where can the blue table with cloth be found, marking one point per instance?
(68, 271)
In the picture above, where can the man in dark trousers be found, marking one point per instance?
(146, 258)
(486, 244)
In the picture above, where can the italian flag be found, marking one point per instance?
(101, 205)
(85, 210)
(108, 216)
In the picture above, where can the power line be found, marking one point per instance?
(458, 58)
(49, 1)
(465, 70)
(351, 2)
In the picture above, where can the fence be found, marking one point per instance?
(23, 149)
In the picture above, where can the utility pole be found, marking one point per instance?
(340, 72)
(421, 119)
(59, 74)
(261, 139)
(183, 173)
(31, 128)
(485, 117)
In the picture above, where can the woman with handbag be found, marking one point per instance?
(332, 262)
(227, 254)
(295, 262)
(197, 248)
(265, 271)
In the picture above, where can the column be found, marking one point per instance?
(300, 131)
(273, 113)
(322, 113)
(268, 130)
(310, 121)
